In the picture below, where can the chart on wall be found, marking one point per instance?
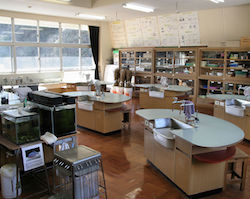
(165, 30)
(189, 33)
(119, 38)
(134, 32)
(150, 33)
(168, 27)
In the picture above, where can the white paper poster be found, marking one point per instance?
(33, 156)
(189, 33)
(168, 27)
(150, 33)
(119, 38)
(134, 33)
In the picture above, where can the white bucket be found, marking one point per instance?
(115, 89)
(8, 181)
(128, 92)
(120, 90)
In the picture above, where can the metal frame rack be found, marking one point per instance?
(79, 174)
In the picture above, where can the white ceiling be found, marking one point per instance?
(112, 9)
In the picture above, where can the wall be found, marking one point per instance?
(224, 26)
(105, 42)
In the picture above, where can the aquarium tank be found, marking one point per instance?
(20, 127)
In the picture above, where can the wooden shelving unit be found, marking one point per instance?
(223, 71)
(206, 70)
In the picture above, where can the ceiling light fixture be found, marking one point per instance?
(86, 16)
(138, 7)
(217, 1)
(59, 1)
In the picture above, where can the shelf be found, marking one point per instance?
(143, 58)
(164, 58)
(236, 68)
(213, 59)
(209, 67)
(238, 60)
(183, 58)
(184, 76)
(215, 89)
(182, 66)
(142, 73)
(241, 80)
(213, 78)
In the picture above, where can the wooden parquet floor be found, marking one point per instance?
(129, 176)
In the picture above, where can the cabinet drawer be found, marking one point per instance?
(183, 146)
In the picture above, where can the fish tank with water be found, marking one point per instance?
(20, 126)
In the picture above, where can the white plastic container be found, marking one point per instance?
(86, 105)
(8, 181)
(128, 92)
(120, 90)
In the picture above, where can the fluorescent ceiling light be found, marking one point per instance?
(86, 16)
(138, 7)
(217, 1)
(59, 1)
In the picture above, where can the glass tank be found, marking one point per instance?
(59, 120)
(20, 127)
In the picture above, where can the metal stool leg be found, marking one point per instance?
(104, 183)
(243, 175)
(47, 177)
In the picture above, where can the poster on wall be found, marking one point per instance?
(119, 39)
(150, 33)
(134, 32)
(189, 33)
(168, 28)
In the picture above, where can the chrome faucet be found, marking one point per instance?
(193, 119)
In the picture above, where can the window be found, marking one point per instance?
(70, 58)
(5, 59)
(27, 59)
(70, 33)
(50, 59)
(5, 29)
(25, 30)
(35, 46)
(49, 32)
(87, 59)
(84, 37)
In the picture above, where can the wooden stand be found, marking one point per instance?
(146, 101)
(104, 118)
(242, 122)
(178, 165)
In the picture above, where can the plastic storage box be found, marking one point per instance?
(20, 127)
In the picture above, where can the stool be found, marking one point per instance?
(230, 168)
(126, 115)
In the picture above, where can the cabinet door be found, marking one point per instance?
(148, 145)
(219, 111)
(182, 170)
(247, 128)
(164, 160)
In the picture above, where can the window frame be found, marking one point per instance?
(13, 44)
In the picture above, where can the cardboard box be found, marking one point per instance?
(245, 42)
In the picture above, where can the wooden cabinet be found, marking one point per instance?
(223, 70)
(149, 144)
(150, 64)
(178, 164)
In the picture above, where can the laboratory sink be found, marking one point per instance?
(236, 107)
(170, 123)
(163, 131)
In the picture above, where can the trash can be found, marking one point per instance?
(8, 181)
